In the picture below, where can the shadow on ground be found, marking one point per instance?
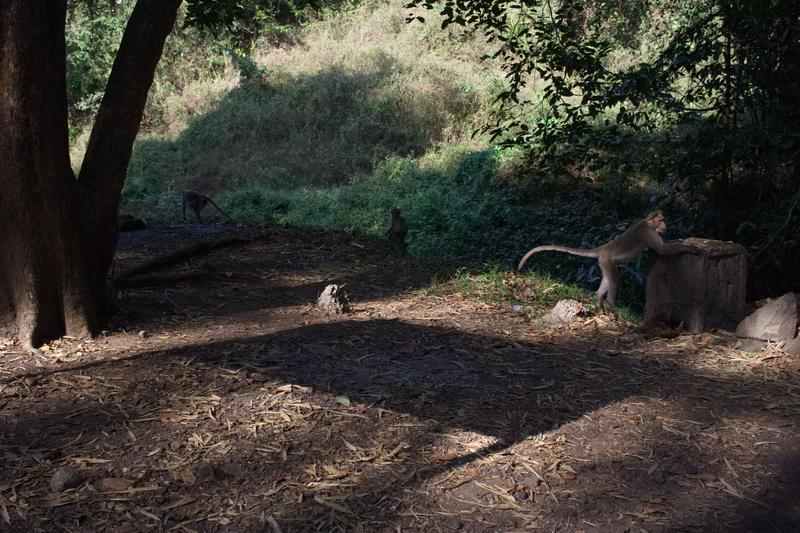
(430, 382)
(263, 415)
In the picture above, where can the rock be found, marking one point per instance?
(775, 321)
(65, 478)
(750, 345)
(792, 347)
(333, 300)
(564, 313)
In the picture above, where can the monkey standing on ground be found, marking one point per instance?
(398, 229)
(640, 236)
(197, 202)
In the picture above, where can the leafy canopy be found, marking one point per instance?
(721, 58)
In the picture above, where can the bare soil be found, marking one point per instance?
(222, 400)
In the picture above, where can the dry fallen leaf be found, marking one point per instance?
(115, 484)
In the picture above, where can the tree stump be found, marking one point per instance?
(702, 291)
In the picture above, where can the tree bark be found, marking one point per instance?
(702, 292)
(57, 234)
(43, 268)
(105, 163)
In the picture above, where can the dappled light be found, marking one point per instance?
(239, 404)
(261, 266)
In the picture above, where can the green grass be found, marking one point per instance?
(367, 113)
(537, 292)
(362, 88)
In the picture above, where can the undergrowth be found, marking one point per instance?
(532, 292)
(362, 113)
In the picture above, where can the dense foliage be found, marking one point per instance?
(717, 85)
(243, 23)
(613, 109)
(210, 32)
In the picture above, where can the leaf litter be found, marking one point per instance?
(418, 410)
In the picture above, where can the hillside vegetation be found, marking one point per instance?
(332, 124)
(359, 111)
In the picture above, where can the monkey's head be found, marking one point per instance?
(657, 221)
(395, 212)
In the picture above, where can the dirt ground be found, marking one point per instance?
(226, 402)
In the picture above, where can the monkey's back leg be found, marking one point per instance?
(607, 293)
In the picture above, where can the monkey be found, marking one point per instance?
(197, 202)
(398, 228)
(639, 236)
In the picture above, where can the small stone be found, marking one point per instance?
(142, 334)
(175, 445)
(333, 300)
(564, 313)
(750, 345)
(65, 478)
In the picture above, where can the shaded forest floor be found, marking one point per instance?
(228, 403)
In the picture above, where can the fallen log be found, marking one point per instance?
(165, 280)
(184, 254)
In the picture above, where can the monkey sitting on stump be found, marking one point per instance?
(640, 236)
(398, 229)
(197, 202)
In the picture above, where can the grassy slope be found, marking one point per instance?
(362, 113)
(357, 88)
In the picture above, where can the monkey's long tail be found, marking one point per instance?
(583, 252)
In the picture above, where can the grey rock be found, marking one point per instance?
(564, 313)
(333, 300)
(65, 478)
(792, 347)
(750, 345)
(774, 322)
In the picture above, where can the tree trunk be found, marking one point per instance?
(43, 272)
(108, 153)
(702, 292)
(57, 234)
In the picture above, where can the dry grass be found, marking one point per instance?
(241, 407)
